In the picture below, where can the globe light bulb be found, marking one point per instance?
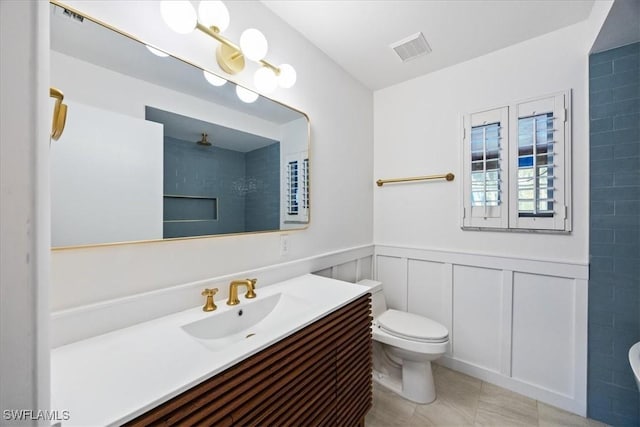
(287, 77)
(213, 79)
(157, 52)
(246, 95)
(179, 16)
(253, 44)
(265, 80)
(213, 13)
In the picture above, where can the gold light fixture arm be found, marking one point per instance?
(229, 54)
(449, 177)
(275, 69)
(215, 33)
(59, 113)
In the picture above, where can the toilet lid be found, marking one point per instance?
(412, 326)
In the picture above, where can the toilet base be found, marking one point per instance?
(417, 382)
(415, 385)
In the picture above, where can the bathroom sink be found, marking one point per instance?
(251, 318)
(634, 360)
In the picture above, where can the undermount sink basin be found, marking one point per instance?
(634, 360)
(250, 318)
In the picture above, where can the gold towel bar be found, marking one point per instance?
(449, 177)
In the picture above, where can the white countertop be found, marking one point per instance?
(112, 378)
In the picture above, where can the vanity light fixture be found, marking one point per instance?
(212, 19)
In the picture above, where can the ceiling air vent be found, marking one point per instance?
(411, 47)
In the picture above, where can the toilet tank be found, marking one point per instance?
(378, 303)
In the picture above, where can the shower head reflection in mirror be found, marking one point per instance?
(128, 168)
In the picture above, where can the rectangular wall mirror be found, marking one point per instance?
(152, 150)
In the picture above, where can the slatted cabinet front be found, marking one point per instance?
(319, 376)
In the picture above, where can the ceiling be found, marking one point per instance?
(182, 127)
(357, 33)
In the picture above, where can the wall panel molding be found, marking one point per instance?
(523, 265)
(486, 301)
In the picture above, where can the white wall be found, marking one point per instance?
(341, 116)
(515, 304)
(424, 137)
(25, 124)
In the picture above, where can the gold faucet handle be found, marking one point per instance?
(251, 290)
(210, 304)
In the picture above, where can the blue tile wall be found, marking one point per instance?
(614, 242)
(262, 209)
(195, 170)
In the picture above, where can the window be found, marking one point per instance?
(292, 188)
(535, 166)
(518, 176)
(297, 188)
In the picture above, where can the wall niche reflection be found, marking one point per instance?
(225, 181)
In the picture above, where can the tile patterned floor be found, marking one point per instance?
(466, 401)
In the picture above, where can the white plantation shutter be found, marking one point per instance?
(540, 168)
(293, 185)
(486, 148)
(517, 166)
(296, 194)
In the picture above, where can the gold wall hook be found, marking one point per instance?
(59, 113)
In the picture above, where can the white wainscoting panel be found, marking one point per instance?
(426, 294)
(365, 268)
(518, 323)
(347, 271)
(392, 272)
(543, 331)
(477, 309)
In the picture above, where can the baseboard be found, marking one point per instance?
(549, 397)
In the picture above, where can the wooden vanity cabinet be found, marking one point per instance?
(319, 376)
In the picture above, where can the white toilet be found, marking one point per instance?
(403, 348)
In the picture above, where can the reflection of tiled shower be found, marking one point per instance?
(211, 190)
(262, 201)
(614, 242)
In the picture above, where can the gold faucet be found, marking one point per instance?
(233, 290)
(210, 304)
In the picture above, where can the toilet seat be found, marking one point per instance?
(412, 327)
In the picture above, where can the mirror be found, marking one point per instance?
(151, 150)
